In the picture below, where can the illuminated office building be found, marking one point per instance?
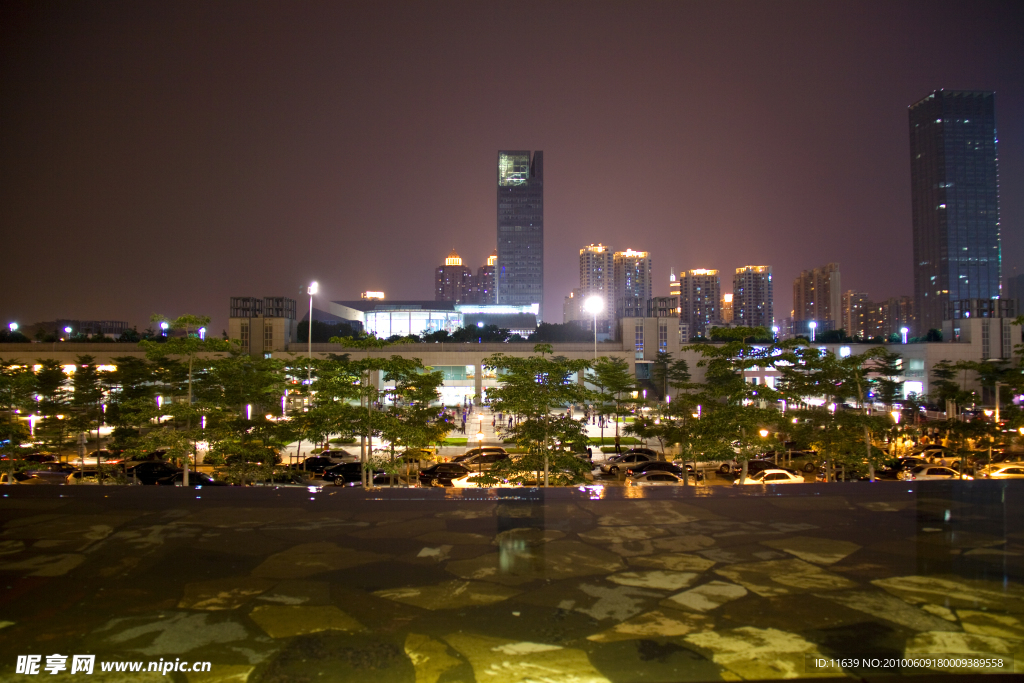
(520, 272)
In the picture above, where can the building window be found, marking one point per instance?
(245, 335)
(638, 336)
(662, 336)
(268, 336)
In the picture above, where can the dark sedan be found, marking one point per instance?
(194, 479)
(660, 466)
(344, 473)
(442, 474)
(152, 472)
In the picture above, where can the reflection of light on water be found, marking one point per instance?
(594, 492)
(508, 550)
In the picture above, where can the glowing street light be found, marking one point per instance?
(812, 326)
(763, 433)
(164, 326)
(775, 331)
(904, 331)
(895, 416)
(311, 290)
(13, 327)
(202, 333)
(594, 305)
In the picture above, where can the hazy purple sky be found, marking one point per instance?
(164, 156)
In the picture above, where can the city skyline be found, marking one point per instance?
(180, 166)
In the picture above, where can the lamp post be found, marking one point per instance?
(775, 332)
(13, 327)
(311, 290)
(594, 305)
(812, 326)
(202, 333)
(904, 331)
(164, 326)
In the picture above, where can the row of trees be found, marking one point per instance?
(192, 394)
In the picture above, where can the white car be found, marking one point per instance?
(772, 477)
(467, 481)
(1004, 472)
(654, 478)
(929, 472)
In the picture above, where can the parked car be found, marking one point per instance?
(928, 472)
(485, 459)
(442, 474)
(51, 472)
(654, 478)
(653, 465)
(1015, 471)
(89, 476)
(106, 457)
(772, 476)
(344, 473)
(316, 463)
(616, 462)
(291, 479)
(757, 466)
(337, 455)
(21, 478)
(474, 453)
(151, 472)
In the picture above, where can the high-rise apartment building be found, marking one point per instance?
(817, 296)
(632, 283)
(854, 309)
(726, 307)
(955, 194)
(453, 281)
(1014, 291)
(572, 308)
(482, 290)
(597, 278)
(753, 302)
(700, 297)
(520, 272)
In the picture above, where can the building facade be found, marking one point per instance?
(700, 297)
(817, 297)
(482, 290)
(262, 325)
(753, 302)
(854, 307)
(597, 278)
(955, 195)
(632, 282)
(572, 308)
(452, 280)
(520, 265)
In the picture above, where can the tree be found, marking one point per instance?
(16, 384)
(186, 349)
(531, 388)
(670, 373)
(564, 332)
(615, 386)
(50, 387)
(87, 399)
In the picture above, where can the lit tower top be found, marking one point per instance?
(453, 259)
(493, 258)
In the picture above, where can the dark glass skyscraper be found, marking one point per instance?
(520, 276)
(955, 191)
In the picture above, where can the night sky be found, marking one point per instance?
(160, 157)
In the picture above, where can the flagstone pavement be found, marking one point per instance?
(593, 584)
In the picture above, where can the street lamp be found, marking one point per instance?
(202, 333)
(775, 332)
(594, 305)
(763, 433)
(163, 328)
(812, 326)
(311, 290)
(904, 331)
(13, 327)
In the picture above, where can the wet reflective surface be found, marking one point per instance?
(575, 585)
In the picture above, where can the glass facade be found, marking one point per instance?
(385, 323)
(520, 263)
(955, 192)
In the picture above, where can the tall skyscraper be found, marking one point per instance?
(700, 296)
(955, 193)
(597, 278)
(453, 281)
(817, 296)
(753, 302)
(520, 274)
(632, 281)
(726, 307)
